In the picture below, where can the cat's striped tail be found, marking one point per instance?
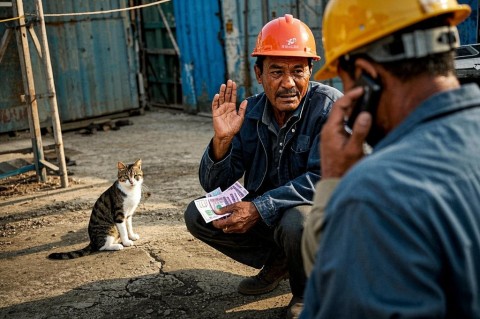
(73, 254)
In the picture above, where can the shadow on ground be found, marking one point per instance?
(165, 295)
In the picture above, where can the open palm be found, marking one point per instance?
(227, 121)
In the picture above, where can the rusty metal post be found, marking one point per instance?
(57, 128)
(29, 85)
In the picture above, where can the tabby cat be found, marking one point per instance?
(111, 218)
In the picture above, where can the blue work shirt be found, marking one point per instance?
(250, 155)
(401, 237)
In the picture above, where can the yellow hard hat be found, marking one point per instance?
(286, 36)
(352, 24)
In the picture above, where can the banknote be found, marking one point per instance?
(239, 189)
(217, 199)
(206, 211)
(215, 192)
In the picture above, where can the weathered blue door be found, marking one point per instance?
(199, 31)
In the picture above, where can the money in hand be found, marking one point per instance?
(218, 199)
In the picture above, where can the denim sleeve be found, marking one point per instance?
(373, 263)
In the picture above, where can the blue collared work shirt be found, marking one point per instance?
(401, 237)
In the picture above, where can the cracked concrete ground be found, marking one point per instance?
(168, 274)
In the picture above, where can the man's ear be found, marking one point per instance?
(363, 65)
(258, 74)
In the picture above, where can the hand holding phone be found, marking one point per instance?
(368, 101)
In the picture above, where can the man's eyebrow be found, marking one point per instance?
(276, 66)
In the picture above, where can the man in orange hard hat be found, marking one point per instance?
(272, 141)
(400, 234)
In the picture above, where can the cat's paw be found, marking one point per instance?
(112, 247)
(127, 243)
(134, 236)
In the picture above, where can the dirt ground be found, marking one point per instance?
(167, 274)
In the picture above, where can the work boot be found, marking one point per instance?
(266, 280)
(295, 307)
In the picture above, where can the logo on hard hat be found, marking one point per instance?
(290, 44)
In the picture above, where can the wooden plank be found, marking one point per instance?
(57, 128)
(170, 33)
(35, 41)
(50, 165)
(29, 85)
(4, 43)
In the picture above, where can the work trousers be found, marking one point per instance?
(260, 243)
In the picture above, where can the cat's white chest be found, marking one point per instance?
(131, 201)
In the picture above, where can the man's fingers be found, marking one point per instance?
(221, 99)
(228, 91)
(343, 106)
(360, 130)
(222, 223)
(243, 108)
(233, 98)
(215, 102)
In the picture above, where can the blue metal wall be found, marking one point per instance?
(200, 39)
(13, 111)
(93, 59)
(468, 29)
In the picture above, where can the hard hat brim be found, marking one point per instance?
(287, 54)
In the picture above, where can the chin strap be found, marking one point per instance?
(417, 44)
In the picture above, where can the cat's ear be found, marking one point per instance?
(120, 165)
(138, 163)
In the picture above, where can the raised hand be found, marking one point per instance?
(227, 121)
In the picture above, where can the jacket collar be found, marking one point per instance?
(436, 106)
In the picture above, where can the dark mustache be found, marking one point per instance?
(288, 92)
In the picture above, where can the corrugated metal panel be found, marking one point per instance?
(93, 61)
(13, 112)
(200, 38)
(468, 29)
(243, 20)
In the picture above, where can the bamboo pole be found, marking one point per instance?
(57, 128)
(29, 85)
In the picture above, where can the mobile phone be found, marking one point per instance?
(368, 101)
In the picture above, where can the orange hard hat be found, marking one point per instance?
(286, 36)
(352, 24)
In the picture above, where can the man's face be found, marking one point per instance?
(284, 80)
